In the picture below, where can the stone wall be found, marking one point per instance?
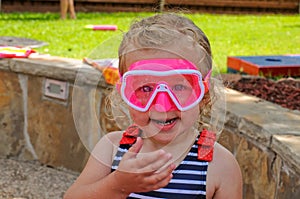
(264, 137)
(206, 6)
(36, 126)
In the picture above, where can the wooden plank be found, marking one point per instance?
(237, 3)
(119, 1)
(53, 6)
(287, 4)
(209, 6)
(105, 1)
(117, 8)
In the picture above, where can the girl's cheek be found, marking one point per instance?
(139, 118)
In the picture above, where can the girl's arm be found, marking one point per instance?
(136, 173)
(95, 176)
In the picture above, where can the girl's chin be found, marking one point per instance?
(161, 140)
(160, 135)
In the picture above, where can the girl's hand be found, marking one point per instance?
(139, 172)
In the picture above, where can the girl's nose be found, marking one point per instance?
(163, 102)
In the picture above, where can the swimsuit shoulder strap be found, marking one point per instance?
(206, 141)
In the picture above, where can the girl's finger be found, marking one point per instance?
(134, 149)
(155, 162)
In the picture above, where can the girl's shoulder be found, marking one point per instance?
(222, 154)
(223, 162)
(224, 174)
(114, 137)
(107, 145)
(111, 138)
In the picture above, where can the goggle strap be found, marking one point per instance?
(118, 86)
(206, 81)
(206, 86)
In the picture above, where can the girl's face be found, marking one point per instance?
(163, 126)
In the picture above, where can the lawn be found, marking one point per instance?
(230, 35)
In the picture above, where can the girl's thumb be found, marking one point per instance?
(136, 147)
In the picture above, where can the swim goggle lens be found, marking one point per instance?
(183, 88)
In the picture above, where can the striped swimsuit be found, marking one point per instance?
(189, 178)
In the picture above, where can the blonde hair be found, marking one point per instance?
(161, 31)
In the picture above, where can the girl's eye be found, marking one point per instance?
(146, 89)
(179, 87)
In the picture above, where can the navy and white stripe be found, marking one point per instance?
(188, 182)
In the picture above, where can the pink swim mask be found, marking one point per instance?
(165, 84)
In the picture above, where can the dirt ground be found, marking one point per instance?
(31, 180)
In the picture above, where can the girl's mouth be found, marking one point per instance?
(165, 124)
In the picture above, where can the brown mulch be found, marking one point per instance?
(284, 92)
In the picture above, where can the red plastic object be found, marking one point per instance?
(102, 27)
(15, 52)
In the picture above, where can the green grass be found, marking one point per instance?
(230, 35)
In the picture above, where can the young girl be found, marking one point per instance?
(165, 65)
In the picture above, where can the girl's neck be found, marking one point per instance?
(179, 146)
